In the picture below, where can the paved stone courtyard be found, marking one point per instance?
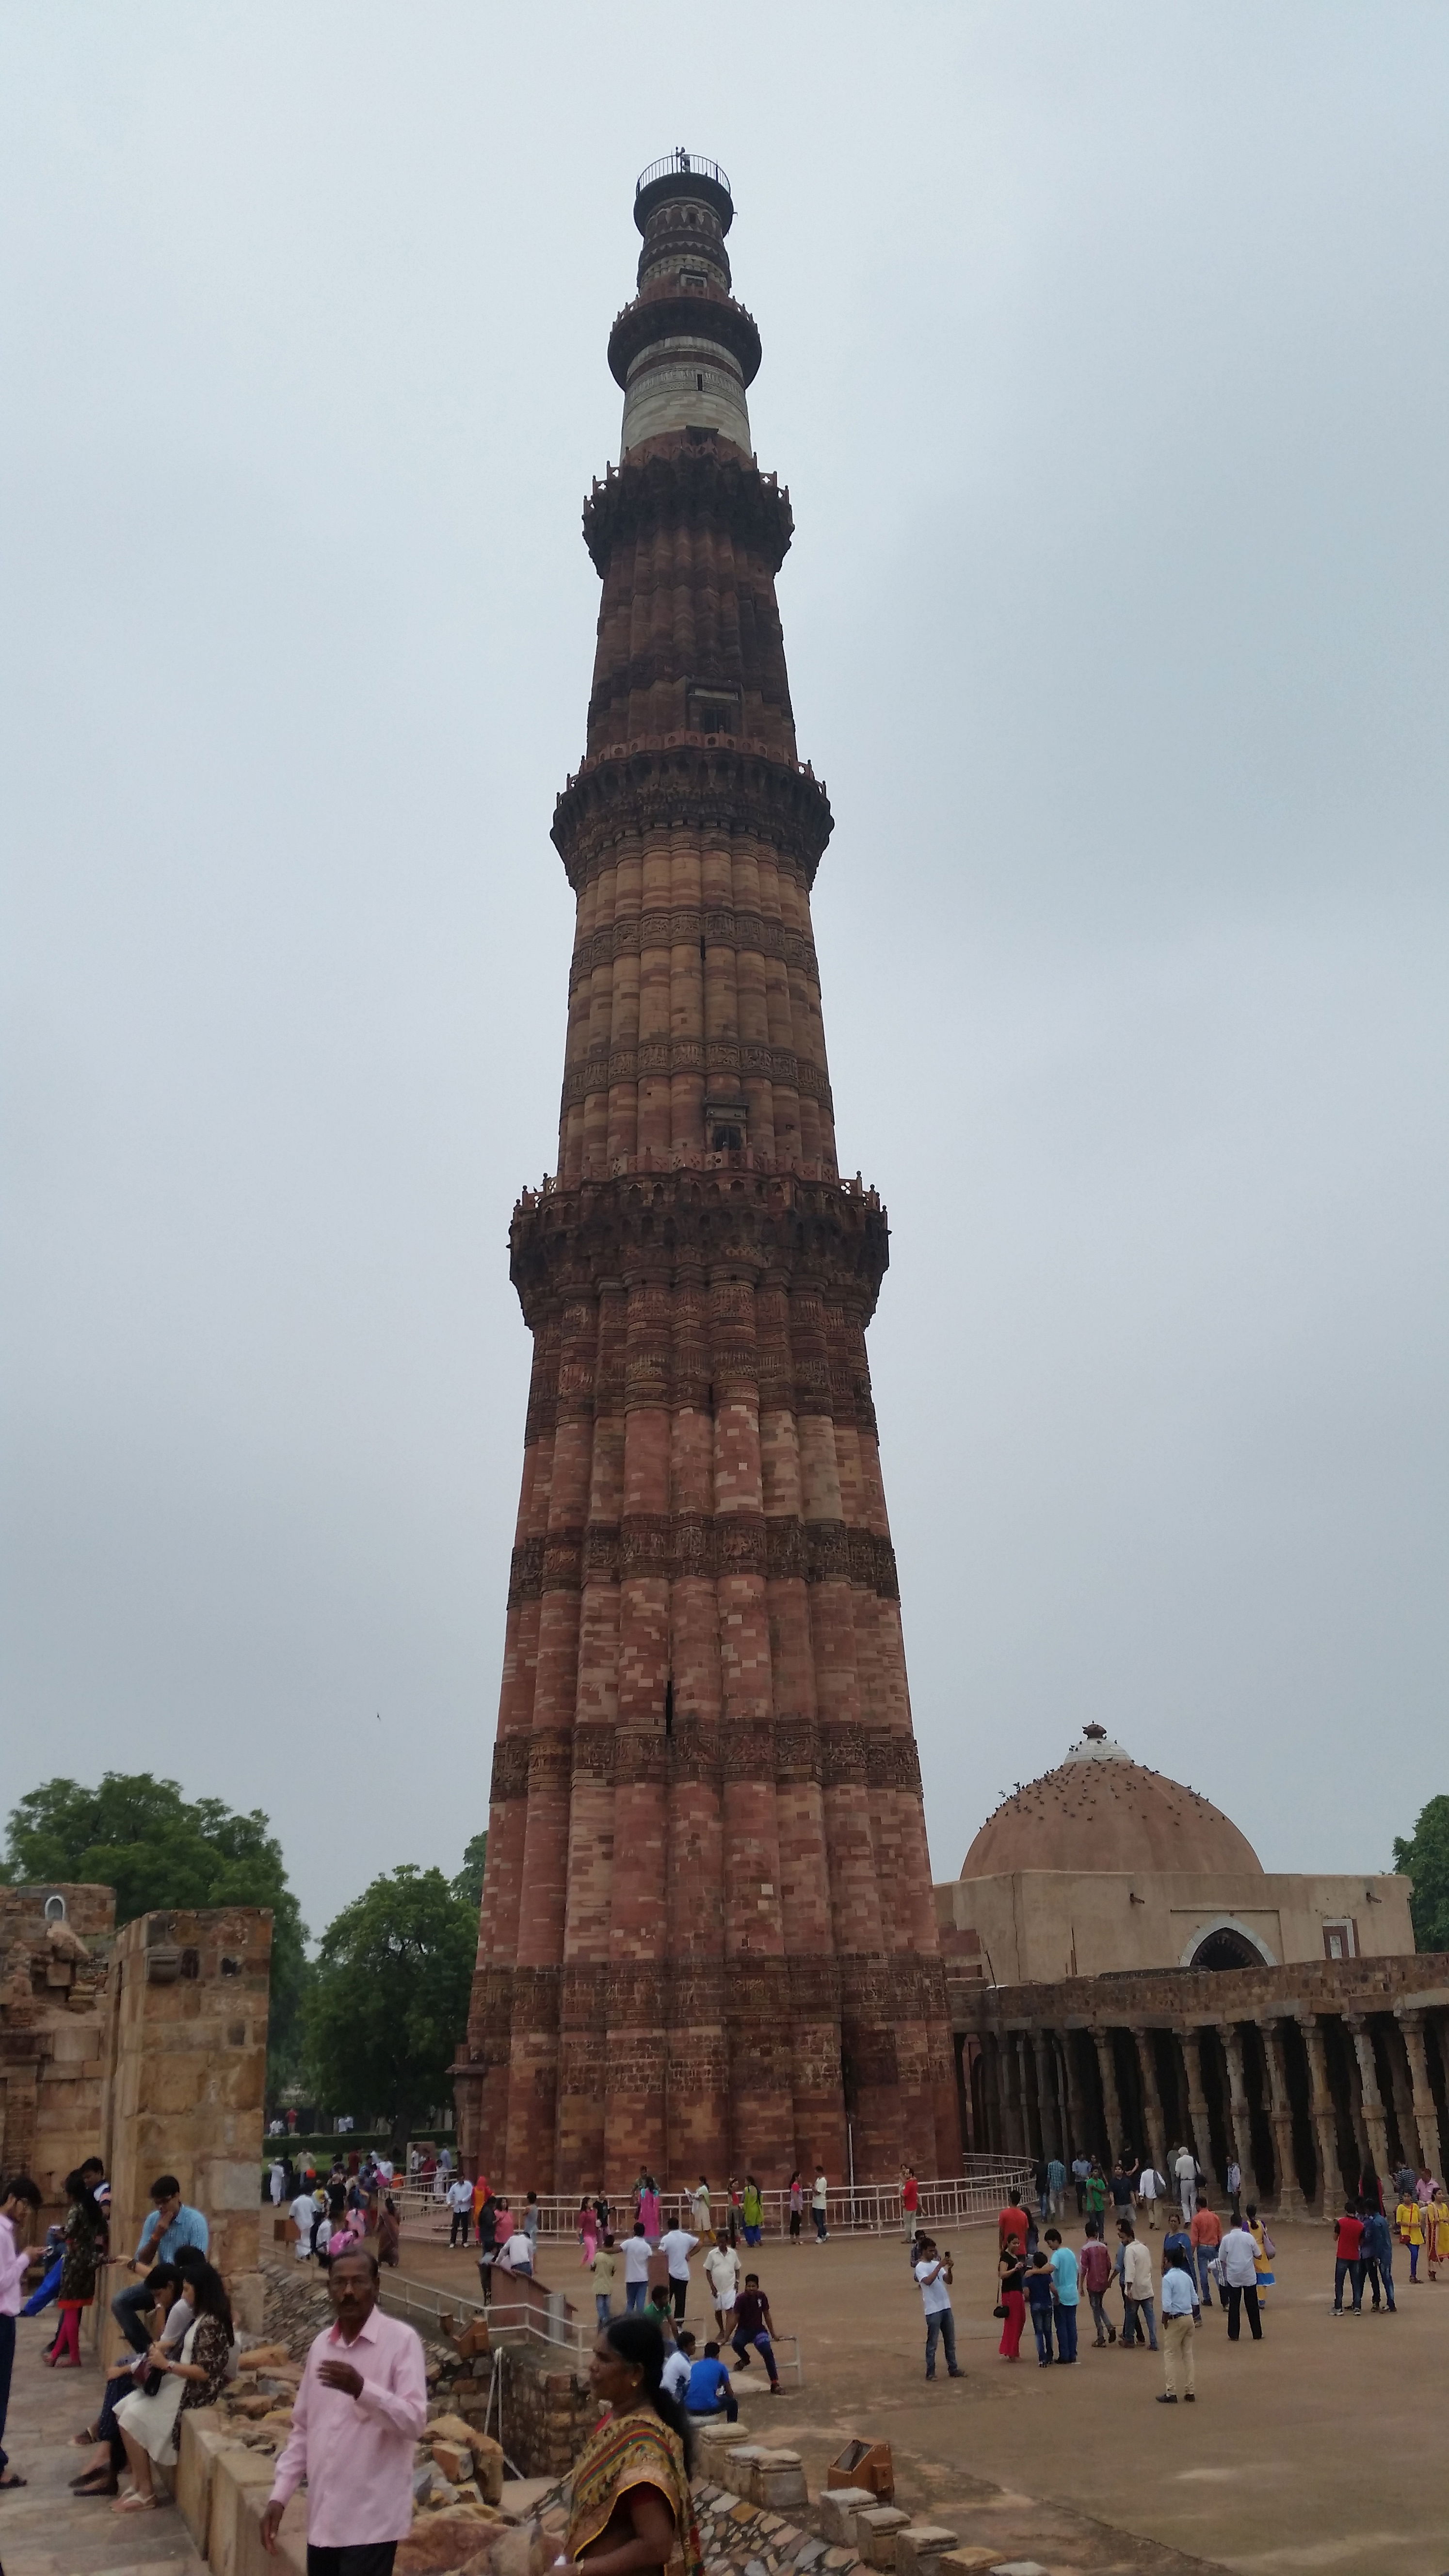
(44, 2529)
(1319, 2449)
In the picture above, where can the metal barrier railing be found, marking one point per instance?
(864, 2209)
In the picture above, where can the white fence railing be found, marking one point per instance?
(865, 2209)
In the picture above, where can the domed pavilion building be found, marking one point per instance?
(1123, 1972)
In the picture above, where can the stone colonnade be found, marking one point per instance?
(1306, 2075)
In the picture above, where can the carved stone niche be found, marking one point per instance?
(163, 1963)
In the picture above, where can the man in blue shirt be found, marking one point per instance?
(1066, 2291)
(709, 2391)
(171, 2225)
(1378, 2256)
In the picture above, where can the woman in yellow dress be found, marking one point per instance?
(1436, 2230)
(1409, 2220)
(631, 2503)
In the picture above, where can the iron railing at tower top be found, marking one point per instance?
(682, 164)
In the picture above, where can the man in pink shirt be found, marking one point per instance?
(21, 2201)
(362, 2405)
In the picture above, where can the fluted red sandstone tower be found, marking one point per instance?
(707, 1933)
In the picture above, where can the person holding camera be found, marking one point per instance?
(934, 2276)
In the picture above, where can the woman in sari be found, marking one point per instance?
(588, 2228)
(1264, 2250)
(631, 2501)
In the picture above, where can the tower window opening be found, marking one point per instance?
(728, 1140)
(669, 1707)
(699, 384)
(701, 952)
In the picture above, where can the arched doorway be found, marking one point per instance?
(1225, 1948)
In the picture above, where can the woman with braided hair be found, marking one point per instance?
(631, 2500)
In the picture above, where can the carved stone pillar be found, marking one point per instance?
(1044, 2105)
(1028, 2126)
(1238, 2121)
(1374, 2119)
(1202, 2136)
(1426, 2117)
(1111, 2104)
(1079, 2137)
(1154, 2149)
(1325, 2125)
(1291, 2195)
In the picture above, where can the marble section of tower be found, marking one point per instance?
(707, 1936)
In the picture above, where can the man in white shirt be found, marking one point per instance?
(637, 2251)
(303, 2214)
(460, 2202)
(516, 2255)
(1186, 2171)
(722, 2271)
(1235, 2185)
(933, 2273)
(677, 2245)
(1238, 2271)
(1137, 2310)
(699, 2213)
(1149, 2184)
(678, 2365)
(819, 2195)
(1179, 2317)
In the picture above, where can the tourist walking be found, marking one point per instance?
(1066, 2293)
(171, 2224)
(754, 2328)
(797, 2205)
(1011, 2297)
(1094, 2265)
(649, 2211)
(934, 2277)
(361, 2408)
(1238, 2273)
(604, 2269)
(1012, 2221)
(191, 2377)
(699, 2215)
(1096, 2195)
(586, 2228)
(677, 2245)
(389, 2232)
(1056, 2186)
(637, 2250)
(1377, 2253)
(1041, 2186)
(17, 2209)
(1185, 2175)
(1206, 2234)
(910, 2200)
(1137, 2309)
(277, 2182)
(460, 2202)
(752, 2211)
(1409, 2220)
(1180, 2318)
(1437, 2232)
(722, 2271)
(819, 2197)
(1235, 2188)
(1347, 2257)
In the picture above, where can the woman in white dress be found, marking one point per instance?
(193, 2377)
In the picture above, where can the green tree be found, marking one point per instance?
(156, 1848)
(1425, 1859)
(469, 1882)
(388, 1998)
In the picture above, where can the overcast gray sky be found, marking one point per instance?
(1105, 357)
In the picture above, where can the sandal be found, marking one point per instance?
(12, 2481)
(134, 2503)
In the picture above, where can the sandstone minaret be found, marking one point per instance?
(707, 1936)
